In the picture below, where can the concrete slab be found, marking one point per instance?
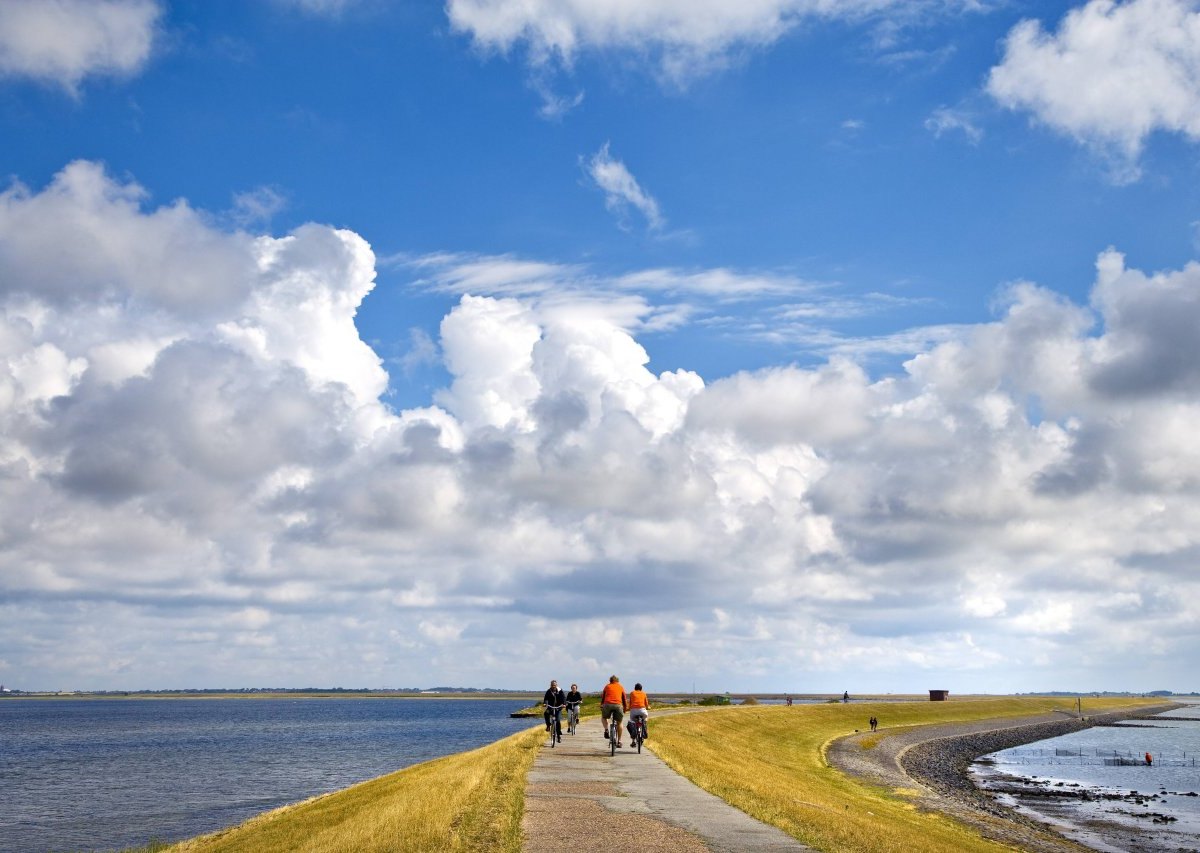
(630, 796)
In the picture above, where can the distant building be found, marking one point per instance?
(938, 695)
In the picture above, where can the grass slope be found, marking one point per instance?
(468, 801)
(769, 761)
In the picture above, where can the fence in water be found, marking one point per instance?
(1099, 757)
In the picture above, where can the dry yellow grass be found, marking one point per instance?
(770, 762)
(469, 801)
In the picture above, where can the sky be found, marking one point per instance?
(780, 345)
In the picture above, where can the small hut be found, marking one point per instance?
(938, 695)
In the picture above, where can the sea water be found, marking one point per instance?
(85, 775)
(1095, 786)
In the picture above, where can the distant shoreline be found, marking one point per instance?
(344, 693)
(266, 694)
(339, 694)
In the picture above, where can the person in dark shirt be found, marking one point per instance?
(554, 700)
(574, 701)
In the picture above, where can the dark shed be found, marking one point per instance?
(938, 695)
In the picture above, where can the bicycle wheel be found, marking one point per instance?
(612, 737)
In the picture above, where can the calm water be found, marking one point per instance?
(1129, 806)
(105, 774)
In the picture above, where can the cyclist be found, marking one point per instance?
(554, 699)
(613, 703)
(574, 701)
(639, 708)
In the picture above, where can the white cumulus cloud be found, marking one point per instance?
(1111, 75)
(206, 485)
(65, 41)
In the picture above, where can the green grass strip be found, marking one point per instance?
(769, 761)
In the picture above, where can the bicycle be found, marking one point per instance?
(572, 717)
(614, 732)
(555, 724)
(637, 732)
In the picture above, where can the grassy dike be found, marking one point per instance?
(469, 801)
(769, 761)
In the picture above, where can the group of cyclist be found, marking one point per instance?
(614, 703)
(554, 701)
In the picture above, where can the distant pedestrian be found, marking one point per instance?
(846, 696)
(1149, 760)
(874, 723)
(789, 700)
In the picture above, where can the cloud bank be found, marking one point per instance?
(201, 483)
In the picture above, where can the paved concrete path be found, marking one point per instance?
(577, 794)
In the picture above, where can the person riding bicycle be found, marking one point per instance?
(639, 709)
(613, 704)
(554, 700)
(574, 700)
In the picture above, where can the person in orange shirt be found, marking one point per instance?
(613, 703)
(639, 707)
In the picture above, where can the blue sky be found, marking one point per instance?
(813, 345)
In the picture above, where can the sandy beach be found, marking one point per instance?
(930, 764)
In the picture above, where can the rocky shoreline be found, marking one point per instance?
(939, 759)
(944, 763)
